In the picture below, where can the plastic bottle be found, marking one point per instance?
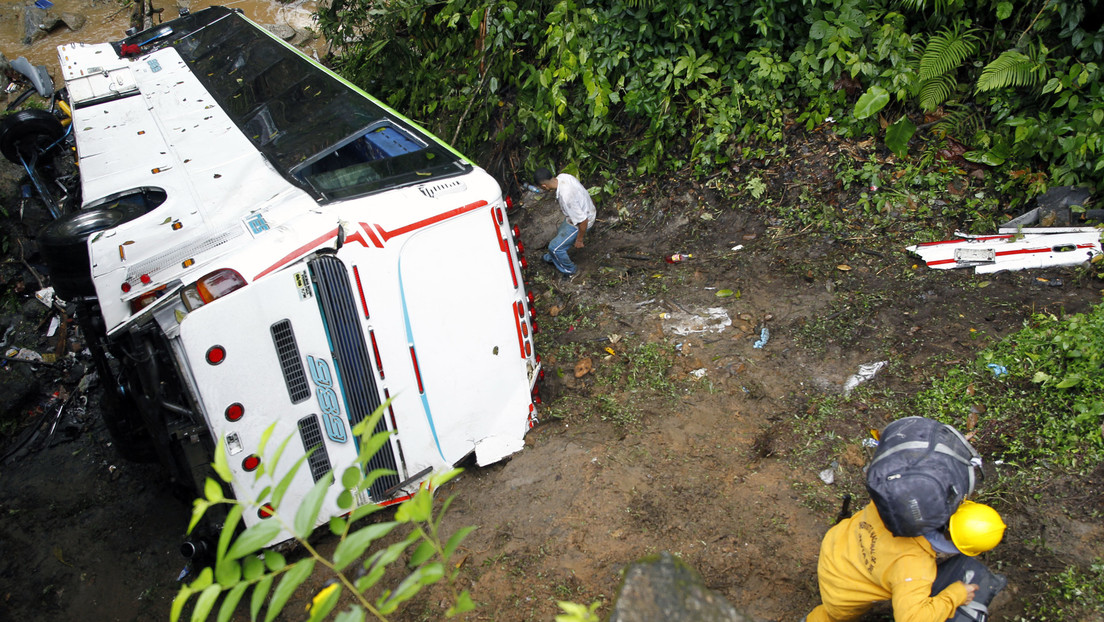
(677, 257)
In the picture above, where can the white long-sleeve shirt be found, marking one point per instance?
(574, 200)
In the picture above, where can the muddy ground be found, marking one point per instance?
(710, 466)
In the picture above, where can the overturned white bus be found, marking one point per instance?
(262, 243)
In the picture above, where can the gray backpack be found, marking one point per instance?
(920, 473)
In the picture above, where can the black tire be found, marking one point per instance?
(62, 244)
(28, 133)
(132, 441)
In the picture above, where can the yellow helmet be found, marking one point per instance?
(976, 528)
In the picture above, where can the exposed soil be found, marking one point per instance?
(711, 470)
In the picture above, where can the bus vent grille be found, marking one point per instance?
(310, 431)
(295, 377)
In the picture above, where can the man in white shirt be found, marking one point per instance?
(578, 210)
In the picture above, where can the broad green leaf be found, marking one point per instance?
(352, 547)
(1070, 381)
(363, 511)
(199, 508)
(205, 578)
(1004, 10)
(307, 514)
(205, 602)
(221, 464)
(338, 525)
(1041, 377)
(292, 579)
(352, 614)
(254, 539)
(463, 604)
(228, 572)
(265, 436)
(274, 561)
(898, 135)
(443, 477)
(422, 554)
(233, 517)
(230, 602)
(874, 99)
(252, 567)
(345, 500)
(178, 603)
(416, 509)
(412, 584)
(260, 593)
(456, 538)
(285, 482)
(988, 158)
(213, 491)
(724, 293)
(351, 477)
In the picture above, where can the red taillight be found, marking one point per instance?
(536, 329)
(146, 299)
(529, 296)
(251, 462)
(524, 329)
(211, 287)
(498, 215)
(266, 511)
(524, 264)
(517, 232)
(528, 348)
(375, 349)
(417, 371)
(520, 248)
(234, 412)
(216, 355)
(509, 203)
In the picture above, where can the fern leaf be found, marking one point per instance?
(1011, 68)
(945, 52)
(936, 91)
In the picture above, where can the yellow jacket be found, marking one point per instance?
(862, 562)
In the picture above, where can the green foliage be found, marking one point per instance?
(574, 612)
(1048, 406)
(1075, 593)
(243, 564)
(647, 86)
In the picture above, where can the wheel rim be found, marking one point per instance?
(88, 222)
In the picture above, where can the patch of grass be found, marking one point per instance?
(844, 322)
(1036, 397)
(1076, 593)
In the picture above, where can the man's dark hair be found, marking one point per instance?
(542, 175)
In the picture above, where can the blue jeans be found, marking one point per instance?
(557, 248)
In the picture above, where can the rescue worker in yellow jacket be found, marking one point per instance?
(862, 562)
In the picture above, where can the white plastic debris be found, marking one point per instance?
(713, 320)
(828, 476)
(698, 373)
(866, 372)
(55, 322)
(23, 354)
(46, 296)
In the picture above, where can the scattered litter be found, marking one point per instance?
(828, 476)
(714, 320)
(698, 373)
(46, 296)
(764, 337)
(55, 322)
(866, 372)
(532, 188)
(583, 367)
(610, 351)
(738, 247)
(23, 354)
(998, 370)
(843, 267)
(677, 257)
(870, 442)
(43, 4)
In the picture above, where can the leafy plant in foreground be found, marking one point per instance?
(242, 563)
